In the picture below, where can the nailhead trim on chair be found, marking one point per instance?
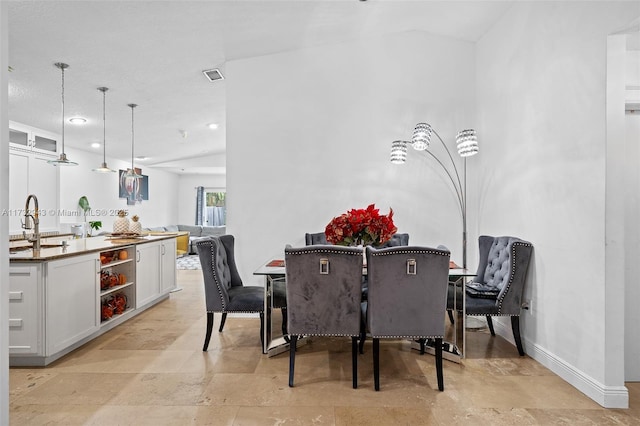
(438, 252)
(317, 250)
(328, 334)
(513, 270)
(405, 337)
(494, 315)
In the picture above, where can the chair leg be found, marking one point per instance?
(284, 320)
(354, 361)
(450, 312)
(515, 326)
(422, 345)
(363, 335)
(224, 318)
(283, 311)
(292, 358)
(490, 324)
(439, 363)
(209, 328)
(262, 329)
(376, 363)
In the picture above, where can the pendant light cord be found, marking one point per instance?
(103, 167)
(133, 171)
(132, 138)
(62, 159)
(62, 69)
(104, 124)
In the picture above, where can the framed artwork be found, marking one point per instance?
(134, 190)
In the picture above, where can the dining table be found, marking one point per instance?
(275, 342)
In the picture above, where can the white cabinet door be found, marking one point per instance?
(73, 311)
(25, 309)
(32, 139)
(147, 272)
(168, 282)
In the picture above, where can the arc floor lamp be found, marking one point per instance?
(467, 144)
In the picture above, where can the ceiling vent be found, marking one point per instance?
(213, 74)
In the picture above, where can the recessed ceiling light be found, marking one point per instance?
(142, 158)
(212, 126)
(95, 145)
(77, 120)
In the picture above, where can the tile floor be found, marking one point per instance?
(152, 371)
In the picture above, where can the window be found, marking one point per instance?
(214, 209)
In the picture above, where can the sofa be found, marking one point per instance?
(196, 232)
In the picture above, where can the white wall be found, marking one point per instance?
(632, 250)
(187, 194)
(102, 192)
(309, 135)
(541, 110)
(4, 220)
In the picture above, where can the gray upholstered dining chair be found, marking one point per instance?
(396, 240)
(323, 296)
(407, 299)
(497, 288)
(315, 238)
(223, 288)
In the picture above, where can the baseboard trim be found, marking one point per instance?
(606, 396)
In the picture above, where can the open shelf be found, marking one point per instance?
(111, 290)
(117, 277)
(114, 263)
(115, 316)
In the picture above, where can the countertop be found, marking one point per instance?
(21, 251)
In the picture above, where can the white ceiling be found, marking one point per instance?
(153, 54)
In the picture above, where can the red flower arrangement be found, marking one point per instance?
(361, 226)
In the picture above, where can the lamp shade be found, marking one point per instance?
(398, 152)
(421, 137)
(467, 143)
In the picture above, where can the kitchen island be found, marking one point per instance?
(71, 291)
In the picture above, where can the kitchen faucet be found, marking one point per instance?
(35, 238)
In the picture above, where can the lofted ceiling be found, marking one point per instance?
(152, 53)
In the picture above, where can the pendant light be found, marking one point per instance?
(62, 159)
(131, 173)
(104, 168)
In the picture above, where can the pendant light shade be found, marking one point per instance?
(62, 159)
(104, 168)
(131, 173)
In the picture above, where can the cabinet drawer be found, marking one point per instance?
(25, 307)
